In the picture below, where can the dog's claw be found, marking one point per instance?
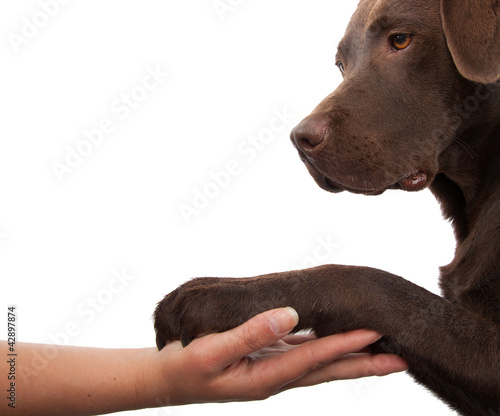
(186, 338)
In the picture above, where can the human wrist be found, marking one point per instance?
(148, 379)
(155, 389)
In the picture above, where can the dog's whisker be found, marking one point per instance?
(466, 147)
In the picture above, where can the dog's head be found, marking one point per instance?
(408, 66)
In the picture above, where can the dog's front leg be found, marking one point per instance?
(322, 296)
(453, 352)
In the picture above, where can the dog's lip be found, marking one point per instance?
(332, 186)
(414, 182)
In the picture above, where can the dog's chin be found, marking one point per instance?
(413, 182)
(331, 186)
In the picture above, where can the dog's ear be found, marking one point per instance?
(472, 30)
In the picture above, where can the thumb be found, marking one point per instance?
(282, 321)
(257, 333)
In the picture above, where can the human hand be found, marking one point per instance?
(257, 360)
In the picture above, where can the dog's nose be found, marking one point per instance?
(310, 133)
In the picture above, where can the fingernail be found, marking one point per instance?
(284, 320)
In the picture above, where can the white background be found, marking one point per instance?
(64, 239)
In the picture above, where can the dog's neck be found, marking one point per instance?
(470, 166)
(468, 188)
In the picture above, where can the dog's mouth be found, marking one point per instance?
(413, 182)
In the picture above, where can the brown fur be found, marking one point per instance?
(425, 116)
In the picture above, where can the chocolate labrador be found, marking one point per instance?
(419, 107)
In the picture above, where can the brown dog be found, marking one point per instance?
(419, 107)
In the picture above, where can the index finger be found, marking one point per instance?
(309, 357)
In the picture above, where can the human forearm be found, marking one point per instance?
(77, 381)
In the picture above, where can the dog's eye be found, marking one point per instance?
(401, 42)
(341, 67)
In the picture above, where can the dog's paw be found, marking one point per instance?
(202, 306)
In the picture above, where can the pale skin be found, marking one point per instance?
(251, 362)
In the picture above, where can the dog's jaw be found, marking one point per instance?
(413, 182)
